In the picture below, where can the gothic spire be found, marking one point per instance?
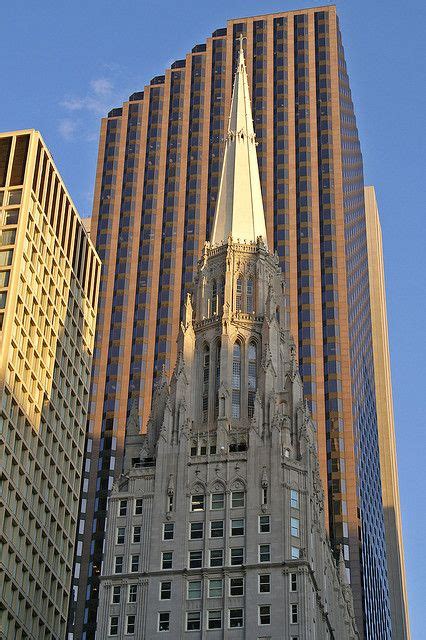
(239, 208)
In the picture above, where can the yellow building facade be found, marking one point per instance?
(385, 421)
(49, 281)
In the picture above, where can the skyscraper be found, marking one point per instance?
(49, 281)
(157, 182)
(227, 472)
(385, 420)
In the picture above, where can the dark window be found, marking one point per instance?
(19, 160)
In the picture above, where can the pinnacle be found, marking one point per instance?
(239, 210)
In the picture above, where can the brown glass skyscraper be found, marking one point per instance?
(156, 187)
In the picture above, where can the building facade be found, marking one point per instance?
(218, 521)
(157, 183)
(49, 281)
(385, 420)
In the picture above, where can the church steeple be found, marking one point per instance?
(239, 209)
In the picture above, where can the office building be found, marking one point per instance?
(218, 522)
(157, 182)
(385, 421)
(49, 281)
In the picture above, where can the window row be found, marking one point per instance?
(217, 501)
(123, 507)
(214, 619)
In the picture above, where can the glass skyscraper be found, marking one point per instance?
(156, 186)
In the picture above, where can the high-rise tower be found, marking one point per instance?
(157, 186)
(228, 469)
(49, 281)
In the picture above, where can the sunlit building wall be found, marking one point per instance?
(49, 281)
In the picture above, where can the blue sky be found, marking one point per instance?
(65, 64)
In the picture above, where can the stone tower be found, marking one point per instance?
(217, 529)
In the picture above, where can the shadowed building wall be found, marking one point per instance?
(157, 182)
(49, 281)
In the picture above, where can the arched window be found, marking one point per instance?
(239, 295)
(206, 373)
(252, 378)
(249, 296)
(214, 298)
(236, 380)
(217, 379)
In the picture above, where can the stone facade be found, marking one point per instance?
(217, 524)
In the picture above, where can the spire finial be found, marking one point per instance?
(241, 39)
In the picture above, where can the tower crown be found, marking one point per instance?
(239, 209)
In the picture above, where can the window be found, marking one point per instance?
(236, 586)
(8, 237)
(295, 527)
(239, 294)
(236, 618)
(264, 553)
(165, 590)
(294, 499)
(295, 553)
(193, 620)
(217, 382)
(216, 529)
(215, 588)
(4, 278)
(196, 530)
(130, 624)
(118, 567)
(214, 619)
(264, 524)
(138, 506)
(293, 614)
(293, 581)
(133, 593)
(214, 298)
(6, 257)
(265, 614)
(236, 380)
(194, 589)
(264, 583)
(116, 593)
(217, 501)
(134, 564)
(168, 530)
(252, 379)
(237, 527)
(121, 532)
(206, 374)
(216, 557)
(197, 503)
(136, 534)
(170, 503)
(195, 559)
(166, 559)
(113, 626)
(237, 499)
(11, 217)
(15, 196)
(249, 296)
(164, 621)
(237, 556)
(122, 511)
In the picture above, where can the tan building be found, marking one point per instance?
(216, 529)
(156, 190)
(385, 421)
(49, 281)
